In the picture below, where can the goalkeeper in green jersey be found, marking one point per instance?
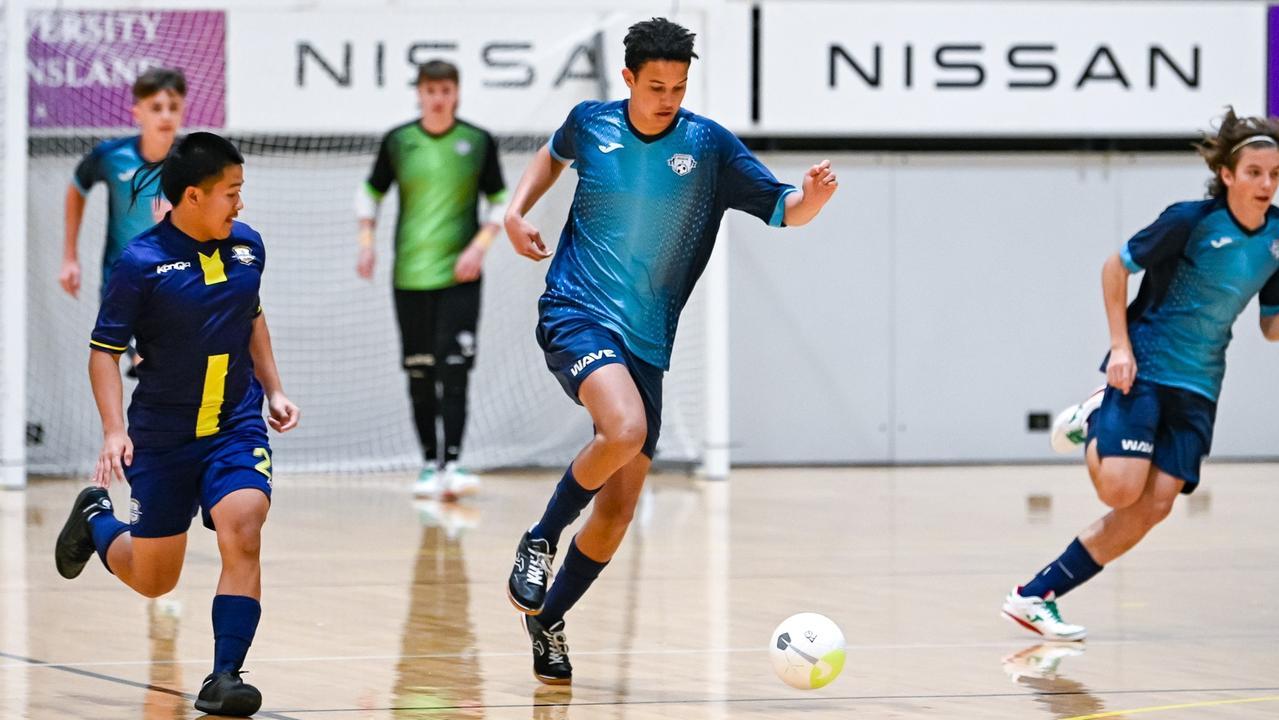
(442, 165)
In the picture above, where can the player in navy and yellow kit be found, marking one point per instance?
(1147, 431)
(187, 290)
(443, 166)
(654, 181)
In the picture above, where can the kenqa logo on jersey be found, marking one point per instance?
(682, 164)
(243, 253)
(180, 265)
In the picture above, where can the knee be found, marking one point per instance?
(243, 538)
(155, 585)
(1118, 495)
(617, 514)
(1155, 510)
(626, 437)
(1118, 490)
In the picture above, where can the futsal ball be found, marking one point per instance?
(807, 651)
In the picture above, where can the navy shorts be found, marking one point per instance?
(169, 486)
(1170, 426)
(576, 346)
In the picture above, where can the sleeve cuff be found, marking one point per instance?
(107, 347)
(779, 210)
(1268, 310)
(373, 192)
(499, 197)
(550, 145)
(75, 183)
(1126, 255)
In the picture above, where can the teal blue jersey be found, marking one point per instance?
(1202, 268)
(644, 218)
(114, 162)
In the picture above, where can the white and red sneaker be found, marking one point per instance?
(1070, 428)
(1040, 616)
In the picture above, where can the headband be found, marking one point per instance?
(1254, 139)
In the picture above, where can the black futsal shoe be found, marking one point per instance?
(530, 575)
(225, 693)
(75, 542)
(550, 652)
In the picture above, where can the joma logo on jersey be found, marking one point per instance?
(589, 358)
(682, 164)
(162, 269)
(1140, 446)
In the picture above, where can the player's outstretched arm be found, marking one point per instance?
(1121, 370)
(283, 415)
(69, 276)
(540, 175)
(108, 393)
(817, 188)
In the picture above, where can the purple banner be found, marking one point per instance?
(1272, 74)
(81, 64)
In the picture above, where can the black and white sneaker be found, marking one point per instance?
(550, 652)
(226, 694)
(75, 541)
(530, 575)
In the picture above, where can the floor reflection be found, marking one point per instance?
(1038, 668)
(446, 682)
(164, 617)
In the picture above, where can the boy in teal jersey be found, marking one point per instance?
(159, 98)
(442, 165)
(1147, 431)
(653, 183)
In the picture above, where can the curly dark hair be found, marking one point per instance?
(657, 39)
(1222, 149)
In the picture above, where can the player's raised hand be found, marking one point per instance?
(364, 265)
(525, 238)
(1121, 370)
(116, 455)
(284, 415)
(820, 182)
(69, 278)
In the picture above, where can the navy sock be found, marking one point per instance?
(571, 583)
(1074, 568)
(235, 621)
(565, 505)
(105, 528)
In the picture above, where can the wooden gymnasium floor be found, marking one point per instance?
(377, 608)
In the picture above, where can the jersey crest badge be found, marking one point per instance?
(1274, 249)
(462, 147)
(243, 253)
(682, 164)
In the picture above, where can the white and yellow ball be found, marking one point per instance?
(807, 651)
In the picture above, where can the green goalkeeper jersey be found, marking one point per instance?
(440, 178)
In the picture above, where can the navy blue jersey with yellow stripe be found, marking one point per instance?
(190, 306)
(644, 218)
(1202, 268)
(114, 163)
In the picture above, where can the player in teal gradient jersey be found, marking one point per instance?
(654, 181)
(159, 99)
(1146, 432)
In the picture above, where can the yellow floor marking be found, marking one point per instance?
(1160, 708)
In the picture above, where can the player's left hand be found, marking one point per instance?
(469, 263)
(820, 183)
(284, 415)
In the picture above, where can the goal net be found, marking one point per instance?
(335, 335)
